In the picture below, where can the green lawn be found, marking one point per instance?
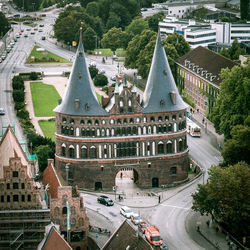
(44, 57)
(108, 52)
(45, 98)
(99, 98)
(120, 52)
(48, 128)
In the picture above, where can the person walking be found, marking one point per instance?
(159, 199)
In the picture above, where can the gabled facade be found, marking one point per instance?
(147, 137)
(58, 197)
(199, 76)
(23, 207)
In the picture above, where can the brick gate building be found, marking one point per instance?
(147, 137)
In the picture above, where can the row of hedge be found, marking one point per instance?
(43, 147)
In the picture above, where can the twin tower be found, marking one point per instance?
(148, 137)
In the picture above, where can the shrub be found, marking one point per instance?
(100, 80)
(17, 83)
(93, 71)
(33, 76)
(19, 105)
(18, 95)
(23, 114)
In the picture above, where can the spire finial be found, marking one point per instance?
(80, 39)
(134, 87)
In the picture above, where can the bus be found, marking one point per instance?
(193, 129)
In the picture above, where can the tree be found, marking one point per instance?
(43, 154)
(179, 42)
(136, 26)
(113, 21)
(136, 45)
(237, 149)
(114, 39)
(235, 50)
(17, 83)
(154, 20)
(89, 39)
(92, 9)
(93, 71)
(244, 10)
(232, 105)
(226, 197)
(224, 52)
(100, 80)
(4, 24)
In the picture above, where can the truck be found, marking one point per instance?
(153, 236)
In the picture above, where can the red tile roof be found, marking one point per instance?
(54, 241)
(50, 177)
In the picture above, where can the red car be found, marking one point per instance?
(142, 226)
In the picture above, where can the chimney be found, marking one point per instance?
(51, 161)
(173, 97)
(77, 104)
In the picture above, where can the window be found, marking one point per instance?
(8, 198)
(82, 122)
(92, 152)
(63, 151)
(173, 171)
(84, 152)
(152, 119)
(15, 197)
(174, 117)
(2, 198)
(64, 210)
(96, 122)
(15, 185)
(166, 118)
(169, 147)
(71, 152)
(64, 120)
(23, 198)
(8, 186)
(23, 185)
(160, 148)
(72, 121)
(73, 221)
(29, 197)
(15, 174)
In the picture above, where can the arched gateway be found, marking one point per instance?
(148, 136)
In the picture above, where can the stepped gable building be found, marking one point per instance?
(199, 74)
(148, 138)
(23, 207)
(58, 197)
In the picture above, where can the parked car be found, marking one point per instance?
(25, 35)
(135, 218)
(142, 226)
(43, 38)
(41, 25)
(153, 236)
(2, 112)
(113, 78)
(164, 247)
(105, 200)
(126, 212)
(102, 71)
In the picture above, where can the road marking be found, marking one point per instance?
(185, 208)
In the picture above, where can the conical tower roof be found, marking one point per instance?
(161, 93)
(80, 97)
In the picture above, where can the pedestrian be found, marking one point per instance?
(119, 197)
(198, 228)
(159, 199)
(121, 175)
(217, 229)
(208, 222)
(203, 120)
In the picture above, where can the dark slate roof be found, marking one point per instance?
(207, 60)
(124, 237)
(80, 87)
(160, 84)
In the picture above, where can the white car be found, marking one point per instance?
(126, 212)
(135, 218)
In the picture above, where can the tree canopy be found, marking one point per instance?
(226, 197)
(115, 38)
(233, 52)
(140, 50)
(4, 24)
(232, 105)
(154, 20)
